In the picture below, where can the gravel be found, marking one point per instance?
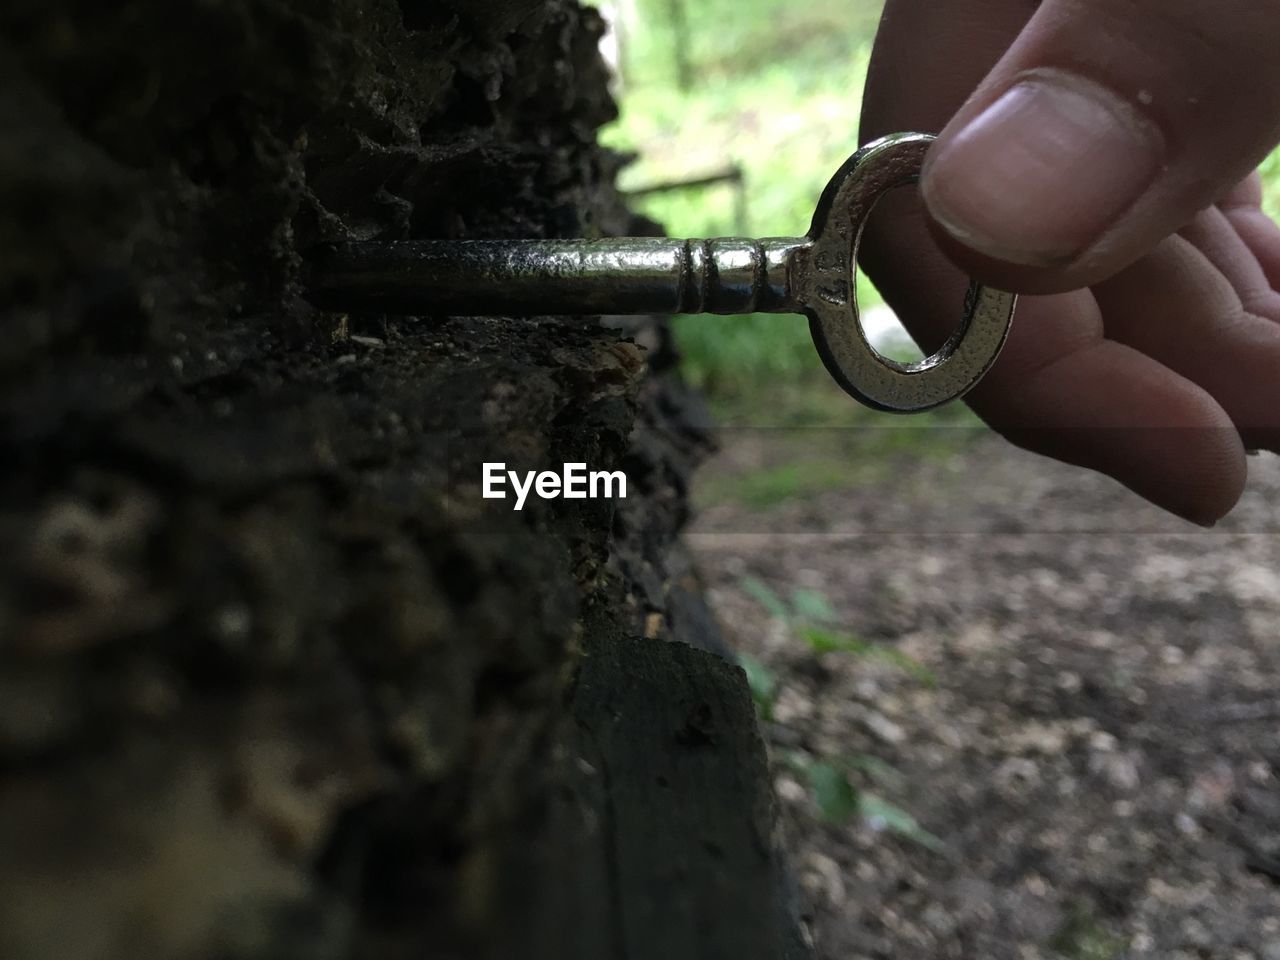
(1095, 739)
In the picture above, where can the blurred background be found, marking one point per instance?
(761, 98)
(765, 96)
(1013, 711)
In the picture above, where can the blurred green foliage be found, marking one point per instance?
(1084, 935)
(762, 682)
(811, 618)
(775, 87)
(835, 784)
(1271, 185)
(839, 800)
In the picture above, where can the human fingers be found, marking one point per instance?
(1176, 307)
(1060, 388)
(1104, 128)
(1242, 206)
(1220, 242)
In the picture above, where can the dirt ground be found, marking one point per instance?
(1091, 732)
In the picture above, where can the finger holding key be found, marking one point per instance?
(1062, 386)
(1102, 129)
(811, 275)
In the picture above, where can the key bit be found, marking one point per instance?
(811, 275)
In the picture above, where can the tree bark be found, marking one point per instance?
(274, 682)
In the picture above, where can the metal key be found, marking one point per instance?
(811, 275)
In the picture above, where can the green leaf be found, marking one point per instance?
(832, 791)
(881, 814)
(826, 641)
(821, 640)
(883, 773)
(762, 683)
(811, 605)
(1083, 936)
(760, 592)
(906, 662)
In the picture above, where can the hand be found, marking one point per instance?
(1105, 163)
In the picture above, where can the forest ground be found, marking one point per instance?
(1013, 712)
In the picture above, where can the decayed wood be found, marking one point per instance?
(267, 687)
(687, 808)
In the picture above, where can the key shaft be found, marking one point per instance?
(813, 275)
(632, 275)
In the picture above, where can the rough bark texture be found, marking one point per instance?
(272, 683)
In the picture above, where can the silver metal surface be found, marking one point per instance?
(823, 284)
(813, 275)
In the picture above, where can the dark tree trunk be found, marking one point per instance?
(272, 683)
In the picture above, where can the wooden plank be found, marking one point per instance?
(688, 814)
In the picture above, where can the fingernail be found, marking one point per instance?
(1043, 172)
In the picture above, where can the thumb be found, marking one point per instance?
(1103, 129)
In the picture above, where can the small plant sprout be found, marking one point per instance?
(812, 619)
